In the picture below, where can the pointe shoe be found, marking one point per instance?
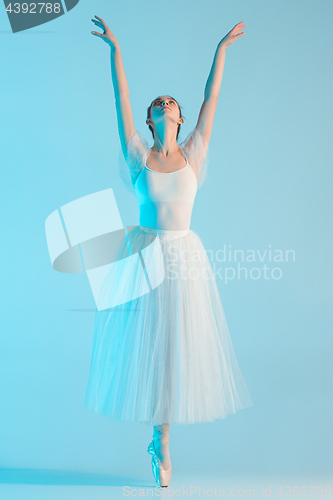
(162, 476)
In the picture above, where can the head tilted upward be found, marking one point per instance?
(164, 119)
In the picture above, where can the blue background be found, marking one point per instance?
(269, 183)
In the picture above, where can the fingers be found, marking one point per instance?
(99, 24)
(238, 26)
(100, 20)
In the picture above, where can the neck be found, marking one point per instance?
(165, 141)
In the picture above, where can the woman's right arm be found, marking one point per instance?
(120, 86)
(121, 94)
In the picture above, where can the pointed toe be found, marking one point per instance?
(162, 476)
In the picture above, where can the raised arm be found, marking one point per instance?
(120, 85)
(212, 89)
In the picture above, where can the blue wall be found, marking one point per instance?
(268, 187)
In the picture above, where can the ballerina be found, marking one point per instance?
(167, 357)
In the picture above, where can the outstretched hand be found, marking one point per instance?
(233, 35)
(107, 35)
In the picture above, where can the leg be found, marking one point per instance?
(161, 443)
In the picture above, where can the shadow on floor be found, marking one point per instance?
(69, 478)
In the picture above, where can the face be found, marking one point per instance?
(163, 108)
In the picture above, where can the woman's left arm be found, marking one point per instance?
(212, 89)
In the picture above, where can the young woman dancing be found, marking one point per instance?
(165, 357)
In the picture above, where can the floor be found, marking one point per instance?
(30, 484)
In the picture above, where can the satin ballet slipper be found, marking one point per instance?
(162, 476)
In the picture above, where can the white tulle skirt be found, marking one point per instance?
(165, 356)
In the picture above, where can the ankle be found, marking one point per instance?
(161, 436)
(159, 443)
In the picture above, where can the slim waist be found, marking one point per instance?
(165, 234)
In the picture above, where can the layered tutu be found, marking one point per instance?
(164, 356)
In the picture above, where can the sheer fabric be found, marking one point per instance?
(166, 356)
(194, 148)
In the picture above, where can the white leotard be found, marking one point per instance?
(166, 198)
